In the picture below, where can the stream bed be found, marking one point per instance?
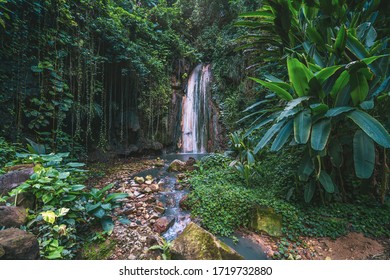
(170, 196)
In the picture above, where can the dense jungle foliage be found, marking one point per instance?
(302, 88)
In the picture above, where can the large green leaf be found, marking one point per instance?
(275, 88)
(259, 125)
(363, 155)
(36, 148)
(359, 88)
(302, 127)
(319, 108)
(115, 196)
(341, 40)
(107, 224)
(249, 24)
(326, 181)
(297, 72)
(371, 127)
(371, 59)
(309, 191)
(356, 47)
(340, 84)
(334, 112)
(257, 14)
(306, 168)
(320, 134)
(49, 216)
(255, 105)
(335, 151)
(325, 73)
(290, 110)
(282, 137)
(268, 136)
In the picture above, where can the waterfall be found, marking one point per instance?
(196, 111)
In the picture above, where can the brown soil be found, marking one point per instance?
(353, 246)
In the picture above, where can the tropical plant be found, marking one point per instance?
(326, 106)
(165, 247)
(63, 207)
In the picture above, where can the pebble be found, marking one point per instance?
(136, 193)
(133, 225)
(159, 209)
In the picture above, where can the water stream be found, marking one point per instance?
(171, 197)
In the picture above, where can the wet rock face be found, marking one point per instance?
(11, 216)
(195, 243)
(16, 244)
(265, 219)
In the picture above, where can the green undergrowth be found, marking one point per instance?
(222, 201)
(98, 250)
(63, 213)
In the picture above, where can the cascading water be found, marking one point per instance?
(196, 111)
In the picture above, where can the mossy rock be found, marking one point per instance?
(17, 244)
(264, 219)
(11, 216)
(195, 243)
(98, 251)
(177, 166)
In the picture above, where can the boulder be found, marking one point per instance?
(25, 199)
(147, 190)
(149, 178)
(181, 176)
(177, 166)
(139, 180)
(154, 187)
(12, 179)
(163, 224)
(18, 245)
(195, 243)
(191, 161)
(190, 164)
(265, 219)
(183, 203)
(11, 216)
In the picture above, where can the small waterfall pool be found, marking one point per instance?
(170, 196)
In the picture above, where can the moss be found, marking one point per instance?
(196, 243)
(98, 251)
(265, 219)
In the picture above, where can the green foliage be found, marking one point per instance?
(7, 152)
(63, 207)
(165, 247)
(222, 202)
(100, 249)
(80, 72)
(333, 78)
